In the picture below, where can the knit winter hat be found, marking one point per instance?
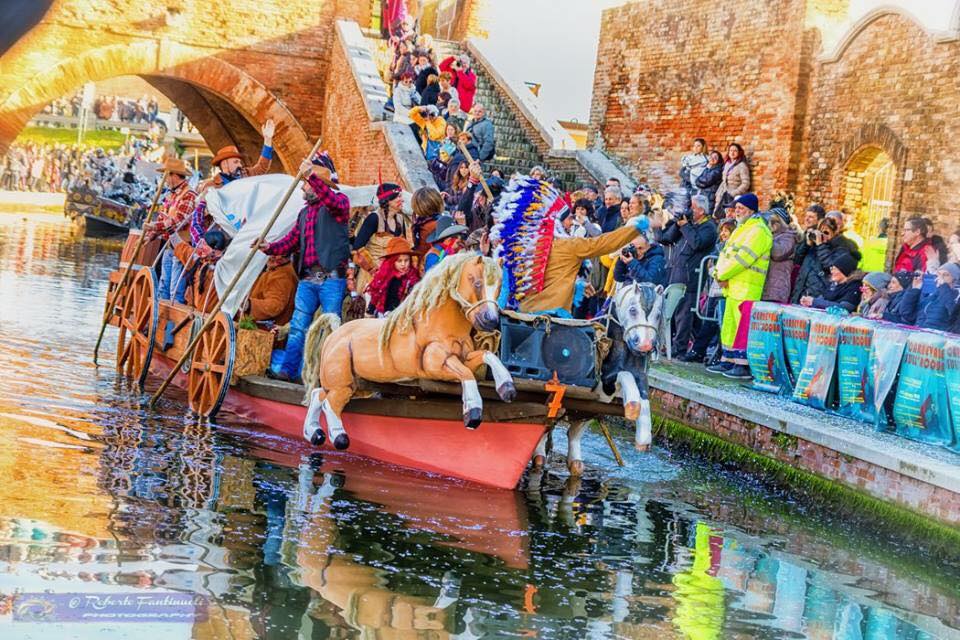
(387, 192)
(905, 278)
(781, 213)
(878, 280)
(845, 262)
(749, 200)
(953, 269)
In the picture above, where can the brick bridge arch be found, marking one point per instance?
(224, 102)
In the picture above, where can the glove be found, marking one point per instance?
(640, 223)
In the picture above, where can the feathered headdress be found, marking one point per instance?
(524, 223)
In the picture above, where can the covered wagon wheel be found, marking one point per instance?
(138, 327)
(211, 367)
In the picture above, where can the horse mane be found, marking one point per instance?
(432, 291)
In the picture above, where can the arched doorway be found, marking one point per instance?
(869, 186)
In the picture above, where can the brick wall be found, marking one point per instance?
(755, 72)
(359, 150)
(894, 87)
(672, 70)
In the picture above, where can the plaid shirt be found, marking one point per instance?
(338, 206)
(198, 225)
(179, 203)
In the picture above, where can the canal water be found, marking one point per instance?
(120, 522)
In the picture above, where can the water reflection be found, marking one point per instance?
(98, 495)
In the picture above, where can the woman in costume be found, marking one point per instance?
(394, 279)
(376, 231)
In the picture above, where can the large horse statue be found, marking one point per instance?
(426, 337)
(636, 317)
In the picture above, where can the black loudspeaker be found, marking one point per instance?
(529, 352)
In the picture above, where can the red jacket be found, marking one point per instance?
(912, 258)
(465, 81)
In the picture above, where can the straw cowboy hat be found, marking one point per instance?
(176, 165)
(227, 152)
(398, 247)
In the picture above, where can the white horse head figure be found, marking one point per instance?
(639, 309)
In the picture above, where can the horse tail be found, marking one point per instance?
(320, 329)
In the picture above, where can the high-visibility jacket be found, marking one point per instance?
(745, 258)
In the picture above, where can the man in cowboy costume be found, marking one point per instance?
(321, 242)
(230, 163)
(178, 203)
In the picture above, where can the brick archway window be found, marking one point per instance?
(869, 182)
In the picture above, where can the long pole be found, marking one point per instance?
(130, 263)
(212, 316)
(483, 181)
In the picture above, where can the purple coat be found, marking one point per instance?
(776, 288)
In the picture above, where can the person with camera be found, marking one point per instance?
(811, 279)
(692, 235)
(463, 79)
(641, 261)
(692, 165)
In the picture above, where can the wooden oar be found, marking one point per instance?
(212, 316)
(483, 181)
(610, 442)
(130, 263)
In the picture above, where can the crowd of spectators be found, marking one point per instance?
(34, 166)
(436, 99)
(108, 107)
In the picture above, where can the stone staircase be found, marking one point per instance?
(524, 138)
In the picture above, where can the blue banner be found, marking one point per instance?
(951, 359)
(795, 325)
(813, 383)
(921, 409)
(854, 375)
(886, 352)
(765, 349)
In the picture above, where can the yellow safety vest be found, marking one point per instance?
(745, 259)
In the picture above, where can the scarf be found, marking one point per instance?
(377, 289)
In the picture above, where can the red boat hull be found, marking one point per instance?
(495, 455)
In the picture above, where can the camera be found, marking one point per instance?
(811, 235)
(629, 251)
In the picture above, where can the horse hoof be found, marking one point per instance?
(507, 392)
(643, 448)
(575, 467)
(341, 442)
(631, 410)
(318, 438)
(473, 418)
(538, 462)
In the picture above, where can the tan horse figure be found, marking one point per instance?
(427, 336)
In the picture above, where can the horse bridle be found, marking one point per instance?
(636, 325)
(468, 306)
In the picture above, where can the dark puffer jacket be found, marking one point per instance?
(651, 267)
(902, 307)
(844, 294)
(690, 243)
(812, 277)
(937, 310)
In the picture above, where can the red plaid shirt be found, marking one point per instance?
(177, 205)
(338, 206)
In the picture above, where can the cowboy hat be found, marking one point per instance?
(227, 152)
(398, 247)
(176, 165)
(446, 228)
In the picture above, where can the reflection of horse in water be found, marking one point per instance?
(636, 316)
(427, 336)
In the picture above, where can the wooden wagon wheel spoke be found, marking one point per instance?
(211, 367)
(138, 323)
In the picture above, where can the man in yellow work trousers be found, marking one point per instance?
(741, 271)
